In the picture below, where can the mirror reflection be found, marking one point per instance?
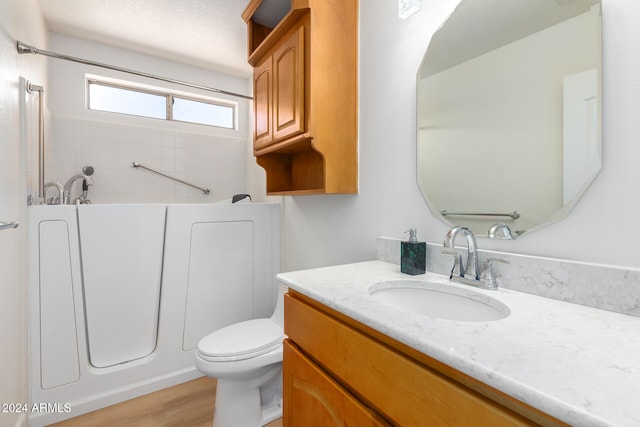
(509, 113)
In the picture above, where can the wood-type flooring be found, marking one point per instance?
(185, 405)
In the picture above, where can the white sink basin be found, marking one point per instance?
(439, 300)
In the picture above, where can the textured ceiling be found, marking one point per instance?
(205, 33)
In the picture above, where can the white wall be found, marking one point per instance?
(205, 156)
(321, 230)
(19, 20)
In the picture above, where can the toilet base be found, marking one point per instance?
(271, 412)
(246, 403)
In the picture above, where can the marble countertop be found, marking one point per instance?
(576, 363)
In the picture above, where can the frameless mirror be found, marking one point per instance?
(509, 113)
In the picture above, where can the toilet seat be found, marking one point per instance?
(241, 341)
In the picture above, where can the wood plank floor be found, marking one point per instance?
(189, 404)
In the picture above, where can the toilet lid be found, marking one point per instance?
(242, 340)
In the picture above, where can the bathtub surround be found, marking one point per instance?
(604, 287)
(120, 295)
(206, 156)
(214, 163)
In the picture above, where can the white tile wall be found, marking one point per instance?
(214, 162)
(208, 157)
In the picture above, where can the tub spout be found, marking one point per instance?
(54, 200)
(69, 184)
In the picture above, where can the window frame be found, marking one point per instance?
(168, 94)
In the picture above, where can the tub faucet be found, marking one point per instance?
(69, 184)
(472, 266)
(54, 200)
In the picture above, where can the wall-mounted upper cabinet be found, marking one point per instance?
(305, 59)
(279, 89)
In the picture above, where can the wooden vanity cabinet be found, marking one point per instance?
(335, 367)
(305, 95)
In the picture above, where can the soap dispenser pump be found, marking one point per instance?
(413, 254)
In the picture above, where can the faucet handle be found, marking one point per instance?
(458, 268)
(488, 274)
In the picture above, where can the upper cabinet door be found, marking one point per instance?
(289, 87)
(262, 100)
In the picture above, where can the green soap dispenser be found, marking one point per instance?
(413, 255)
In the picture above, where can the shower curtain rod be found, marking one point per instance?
(25, 48)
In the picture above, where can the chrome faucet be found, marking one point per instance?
(54, 200)
(69, 184)
(472, 249)
(471, 273)
(500, 227)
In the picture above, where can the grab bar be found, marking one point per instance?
(31, 88)
(514, 214)
(139, 165)
(8, 225)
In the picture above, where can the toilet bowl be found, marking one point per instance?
(246, 359)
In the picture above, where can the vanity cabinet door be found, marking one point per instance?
(312, 398)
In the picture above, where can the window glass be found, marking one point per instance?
(127, 101)
(155, 102)
(188, 110)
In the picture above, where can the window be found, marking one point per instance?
(206, 113)
(158, 104)
(126, 101)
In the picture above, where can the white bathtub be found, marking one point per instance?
(120, 295)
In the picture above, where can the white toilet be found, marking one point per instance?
(246, 358)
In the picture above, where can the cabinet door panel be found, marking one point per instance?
(262, 99)
(311, 398)
(288, 87)
(401, 389)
